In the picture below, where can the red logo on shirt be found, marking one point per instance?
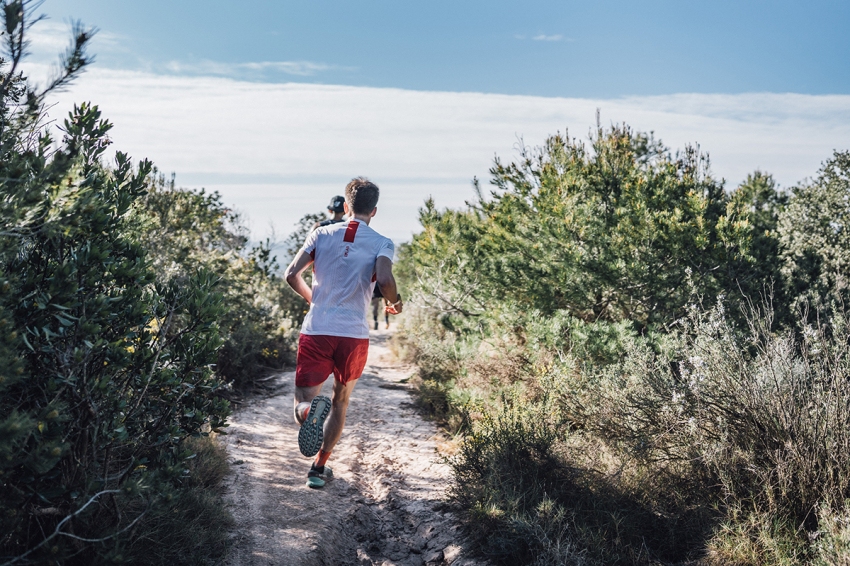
(350, 231)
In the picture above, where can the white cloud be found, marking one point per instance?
(277, 151)
(303, 68)
(207, 67)
(544, 37)
(48, 39)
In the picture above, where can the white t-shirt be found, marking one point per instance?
(344, 256)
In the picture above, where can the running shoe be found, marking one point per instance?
(311, 435)
(317, 479)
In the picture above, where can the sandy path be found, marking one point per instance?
(384, 507)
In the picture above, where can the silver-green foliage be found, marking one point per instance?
(764, 412)
(814, 237)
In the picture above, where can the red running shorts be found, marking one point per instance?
(320, 355)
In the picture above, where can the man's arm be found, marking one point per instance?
(386, 283)
(293, 275)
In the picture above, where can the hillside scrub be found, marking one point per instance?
(127, 310)
(814, 240)
(643, 367)
(612, 234)
(186, 231)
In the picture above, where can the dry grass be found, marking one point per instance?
(715, 446)
(189, 525)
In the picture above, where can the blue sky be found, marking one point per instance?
(278, 104)
(545, 48)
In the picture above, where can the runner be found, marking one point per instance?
(349, 258)
(336, 210)
(377, 302)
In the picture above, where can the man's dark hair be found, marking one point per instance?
(361, 194)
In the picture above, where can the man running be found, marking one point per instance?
(348, 259)
(336, 211)
(377, 303)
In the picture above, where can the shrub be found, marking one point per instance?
(185, 231)
(611, 232)
(813, 236)
(505, 474)
(104, 371)
(190, 524)
(758, 275)
(832, 541)
(535, 491)
(767, 416)
(110, 370)
(610, 417)
(714, 442)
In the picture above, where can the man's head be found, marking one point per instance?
(361, 196)
(336, 207)
(336, 204)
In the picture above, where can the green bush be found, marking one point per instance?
(117, 331)
(813, 235)
(609, 416)
(620, 230)
(185, 231)
(106, 371)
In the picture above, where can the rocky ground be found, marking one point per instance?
(385, 505)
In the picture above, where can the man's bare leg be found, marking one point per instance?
(336, 420)
(303, 397)
(339, 407)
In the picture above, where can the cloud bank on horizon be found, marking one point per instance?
(278, 151)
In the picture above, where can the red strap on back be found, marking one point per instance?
(350, 232)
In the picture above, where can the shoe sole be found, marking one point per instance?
(311, 435)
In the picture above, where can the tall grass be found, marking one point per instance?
(713, 444)
(189, 525)
(767, 414)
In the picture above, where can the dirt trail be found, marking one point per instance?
(384, 505)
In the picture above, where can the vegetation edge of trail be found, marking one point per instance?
(645, 368)
(130, 311)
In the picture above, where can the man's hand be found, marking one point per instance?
(386, 283)
(394, 308)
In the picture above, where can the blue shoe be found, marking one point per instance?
(317, 479)
(311, 435)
